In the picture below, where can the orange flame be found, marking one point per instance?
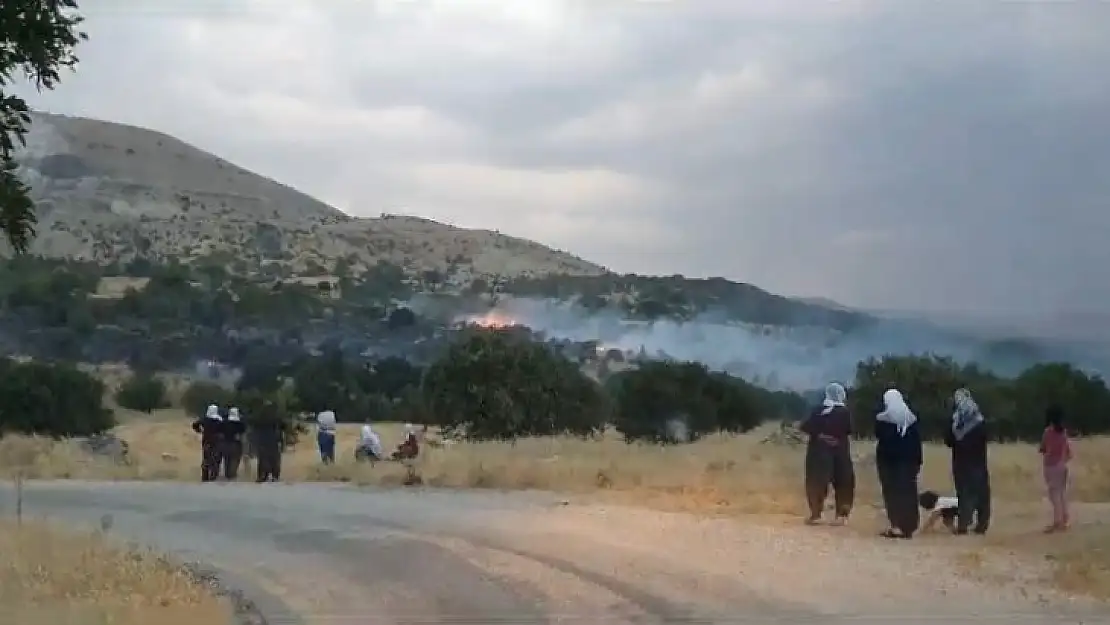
(493, 319)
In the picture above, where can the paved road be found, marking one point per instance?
(332, 554)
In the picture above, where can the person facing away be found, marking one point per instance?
(1055, 455)
(369, 444)
(210, 428)
(410, 445)
(232, 452)
(943, 509)
(829, 456)
(968, 439)
(898, 459)
(325, 436)
(268, 440)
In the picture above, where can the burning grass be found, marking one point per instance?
(64, 578)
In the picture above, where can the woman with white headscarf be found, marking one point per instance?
(898, 458)
(968, 440)
(829, 456)
(210, 427)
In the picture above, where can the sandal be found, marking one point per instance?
(890, 534)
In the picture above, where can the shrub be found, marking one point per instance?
(143, 392)
(497, 384)
(52, 400)
(196, 399)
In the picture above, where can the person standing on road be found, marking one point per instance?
(232, 452)
(325, 436)
(898, 458)
(829, 456)
(1055, 456)
(268, 440)
(968, 439)
(210, 428)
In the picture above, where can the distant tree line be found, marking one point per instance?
(500, 385)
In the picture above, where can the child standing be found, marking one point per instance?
(1055, 455)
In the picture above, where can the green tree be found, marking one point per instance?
(37, 40)
(497, 384)
(651, 400)
(196, 399)
(143, 392)
(52, 400)
(1084, 398)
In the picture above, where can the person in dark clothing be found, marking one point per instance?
(898, 458)
(210, 428)
(968, 439)
(268, 441)
(232, 444)
(829, 456)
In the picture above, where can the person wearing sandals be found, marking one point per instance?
(829, 456)
(898, 458)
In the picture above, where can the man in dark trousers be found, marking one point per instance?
(210, 427)
(232, 444)
(268, 441)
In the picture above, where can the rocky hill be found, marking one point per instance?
(110, 192)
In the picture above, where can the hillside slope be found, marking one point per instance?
(111, 192)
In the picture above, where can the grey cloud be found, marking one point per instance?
(892, 154)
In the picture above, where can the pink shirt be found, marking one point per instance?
(1055, 447)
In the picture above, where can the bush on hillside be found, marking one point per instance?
(51, 400)
(667, 402)
(143, 392)
(497, 385)
(196, 399)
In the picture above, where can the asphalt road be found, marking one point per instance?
(315, 553)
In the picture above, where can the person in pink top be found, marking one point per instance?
(1055, 455)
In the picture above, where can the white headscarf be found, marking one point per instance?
(967, 414)
(896, 411)
(369, 438)
(326, 421)
(410, 429)
(233, 414)
(835, 395)
(213, 413)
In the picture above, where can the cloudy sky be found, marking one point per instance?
(942, 155)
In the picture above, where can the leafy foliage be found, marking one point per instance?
(143, 392)
(37, 40)
(1015, 407)
(496, 385)
(649, 400)
(54, 400)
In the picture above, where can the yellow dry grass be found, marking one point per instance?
(64, 578)
(717, 475)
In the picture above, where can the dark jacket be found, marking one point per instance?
(233, 431)
(267, 436)
(893, 448)
(211, 430)
(834, 428)
(971, 451)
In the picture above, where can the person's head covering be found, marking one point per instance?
(835, 395)
(896, 411)
(213, 412)
(967, 414)
(410, 429)
(233, 414)
(326, 418)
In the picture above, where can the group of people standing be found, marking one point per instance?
(899, 457)
(225, 443)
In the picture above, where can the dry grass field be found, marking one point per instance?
(63, 578)
(720, 475)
